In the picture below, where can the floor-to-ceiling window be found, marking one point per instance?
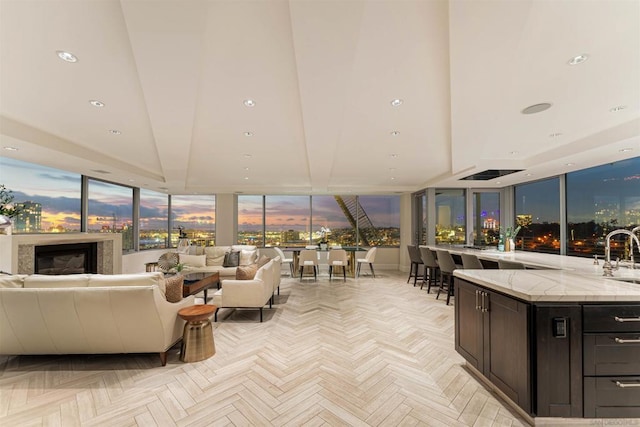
(110, 210)
(195, 216)
(537, 212)
(48, 199)
(297, 221)
(287, 221)
(250, 220)
(599, 200)
(379, 221)
(486, 218)
(450, 216)
(154, 220)
(332, 213)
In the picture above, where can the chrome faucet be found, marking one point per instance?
(607, 267)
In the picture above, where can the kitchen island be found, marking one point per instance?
(559, 340)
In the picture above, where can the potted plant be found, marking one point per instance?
(7, 209)
(324, 231)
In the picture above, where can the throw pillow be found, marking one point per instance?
(215, 254)
(167, 261)
(248, 257)
(174, 288)
(246, 272)
(231, 259)
(193, 260)
(263, 260)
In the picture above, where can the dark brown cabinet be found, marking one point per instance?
(553, 359)
(612, 360)
(492, 333)
(558, 360)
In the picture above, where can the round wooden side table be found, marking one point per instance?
(197, 338)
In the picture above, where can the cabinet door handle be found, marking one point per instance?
(627, 385)
(623, 341)
(485, 305)
(477, 300)
(626, 319)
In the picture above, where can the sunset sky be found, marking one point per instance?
(59, 193)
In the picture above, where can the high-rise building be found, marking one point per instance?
(29, 219)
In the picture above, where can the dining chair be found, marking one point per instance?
(308, 258)
(338, 258)
(447, 267)
(284, 259)
(510, 265)
(431, 269)
(368, 259)
(416, 262)
(471, 262)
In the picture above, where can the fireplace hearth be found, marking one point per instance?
(72, 258)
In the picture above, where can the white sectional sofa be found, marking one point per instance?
(255, 293)
(210, 259)
(88, 314)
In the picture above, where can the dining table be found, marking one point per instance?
(323, 254)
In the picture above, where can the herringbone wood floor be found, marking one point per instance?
(375, 352)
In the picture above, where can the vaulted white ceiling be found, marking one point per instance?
(173, 75)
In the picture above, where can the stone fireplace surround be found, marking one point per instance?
(17, 251)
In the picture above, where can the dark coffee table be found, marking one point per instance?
(192, 287)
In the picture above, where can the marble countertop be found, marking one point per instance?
(556, 278)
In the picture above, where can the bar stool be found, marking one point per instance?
(471, 262)
(447, 267)
(416, 262)
(431, 268)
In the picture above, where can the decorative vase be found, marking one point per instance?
(510, 245)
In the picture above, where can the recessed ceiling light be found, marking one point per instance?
(579, 59)
(618, 108)
(248, 134)
(163, 188)
(115, 132)
(569, 164)
(393, 156)
(528, 174)
(132, 180)
(392, 178)
(392, 169)
(395, 133)
(66, 56)
(11, 148)
(626, 150)
(249, 102)
(498, 182)
(247, 156)
(513, 153)
(100, 171)
(96, 103)
(554, 135)
(536, 108)
(396, 102)
(246, 177)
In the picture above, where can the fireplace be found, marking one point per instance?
(72, 258)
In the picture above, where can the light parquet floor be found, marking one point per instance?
(368, 352)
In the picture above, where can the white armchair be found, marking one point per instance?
(253, 293)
